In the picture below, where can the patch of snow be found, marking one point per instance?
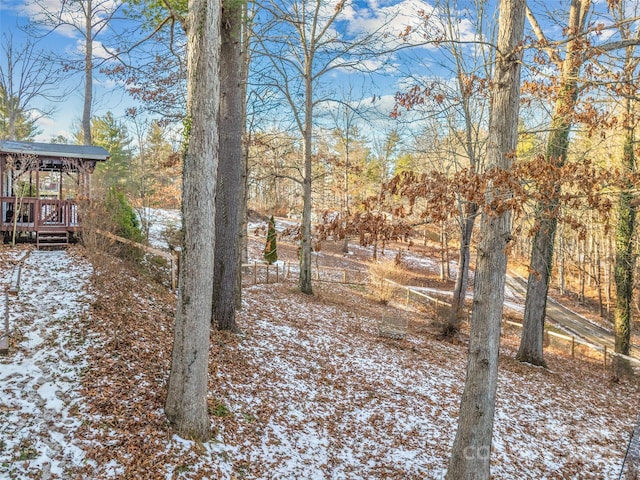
(40, 377)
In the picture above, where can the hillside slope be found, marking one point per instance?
(308, 390)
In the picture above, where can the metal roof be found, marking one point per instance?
(55, 150)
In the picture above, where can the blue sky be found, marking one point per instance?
(400, 69)
(14, 16)
(362, 15)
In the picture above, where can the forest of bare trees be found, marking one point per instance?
(504, 131)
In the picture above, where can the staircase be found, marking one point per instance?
(53, 240)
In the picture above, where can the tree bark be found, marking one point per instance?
(186, 404)
(305, 243)
(625, 263)
(541, 264)
(470, 458)
(464, 260)
(88, 74)
(229, 188)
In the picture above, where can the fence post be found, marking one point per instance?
(255, 272)
(573, 347)
(344, 276)
(267, 274)
(605, 357)
(277, 273)
(173, 264)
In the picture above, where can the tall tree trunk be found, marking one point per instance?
(186, 404)
(546, 212)
(305, 243)
(229, 188)
(608, 275)
(625, 262)
(243, 253)
(470, 458)
(464, 260)
(88, 74)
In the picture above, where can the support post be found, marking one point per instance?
(174, 276)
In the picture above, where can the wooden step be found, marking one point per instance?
(52, 239)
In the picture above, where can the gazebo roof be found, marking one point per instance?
(54, 150)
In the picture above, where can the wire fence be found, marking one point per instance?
(259, 272)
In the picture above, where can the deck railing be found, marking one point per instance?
(38, 214)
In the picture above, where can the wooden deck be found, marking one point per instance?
(40, 215)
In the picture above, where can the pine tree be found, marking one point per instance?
(271, 248)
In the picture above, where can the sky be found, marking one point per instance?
(395, 71)
(66, 43)
(361, 16)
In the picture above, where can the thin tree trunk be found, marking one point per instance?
(609, 276)
(582, 270)
(561, 274)
(541, 263)
(305, 243)
(599, 279)
(229, 189)
(443, 254)
(464, 259)
(470, 458)
(186, 404)
(88, 75)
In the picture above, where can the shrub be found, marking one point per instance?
(379, 272)
(123, 215)
(271, 248)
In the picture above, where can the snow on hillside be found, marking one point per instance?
(39, 381)
(307, 391)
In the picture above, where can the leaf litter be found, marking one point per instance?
(307, 390)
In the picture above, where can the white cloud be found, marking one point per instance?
(405, 22)
(71, 17)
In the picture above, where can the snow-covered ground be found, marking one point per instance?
(159, 220)
(307, 391)
(39, 381)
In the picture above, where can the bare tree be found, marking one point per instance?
(470, 458)
(89, 19)
(186, 404)
(546, 213)
(20, 168)
(459, 106)
(348, 139)
(570, 85)
(297, 47)
(27, 76)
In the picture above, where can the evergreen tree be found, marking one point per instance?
(271, 248)
(123, 216)
(111, 134)
(24, 128)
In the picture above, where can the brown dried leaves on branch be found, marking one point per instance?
(410, 199)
